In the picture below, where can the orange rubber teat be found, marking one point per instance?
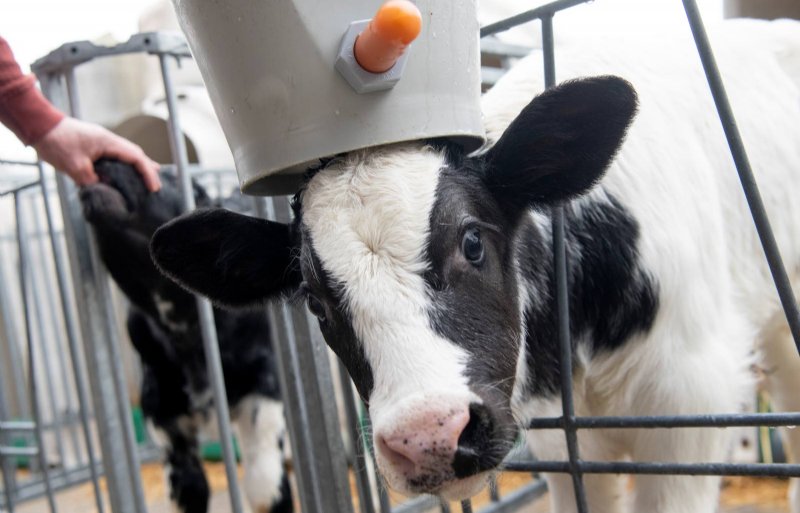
(394, 27)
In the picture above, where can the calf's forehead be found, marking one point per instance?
(368, 216)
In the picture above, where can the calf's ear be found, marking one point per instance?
(232, 259)
(561, 143)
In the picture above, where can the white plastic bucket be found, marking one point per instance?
(269, 69)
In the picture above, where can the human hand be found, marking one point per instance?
(72, 146)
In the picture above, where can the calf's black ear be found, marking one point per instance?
(232, 259)
(561, 143)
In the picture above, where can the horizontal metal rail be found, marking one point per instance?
(18, 451)
(17, 425)
(19, 188)
(672, 421)
(7, 162)
(538, 13)
(684, 469)
(518, 498)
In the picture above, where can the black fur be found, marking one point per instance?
(175, 382)
(560, 144)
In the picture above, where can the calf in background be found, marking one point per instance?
(165, 330)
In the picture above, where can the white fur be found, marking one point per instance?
(675, 174)
(261, 424)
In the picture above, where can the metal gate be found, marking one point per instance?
(89, 408)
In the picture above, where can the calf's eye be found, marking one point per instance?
(316, 307)
(472, 246)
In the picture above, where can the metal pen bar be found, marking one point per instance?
(72, 341)
(17, 425)
(494, 489)
(746, 176)
(310, 407)
(18, 451)
(673, 421)
(85, 267)
(57, 334)
(23, 261)
(360, 455)
(205, 312)
(651, 468)
(56, 425)
(8, 484)
(117, 374)
(7, 467)
(17, 162)
(518, 498)
(19, 188)
(13, 366)
(541, 12)
(562, 299)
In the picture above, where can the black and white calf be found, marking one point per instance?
(163, 327)
(431, 273)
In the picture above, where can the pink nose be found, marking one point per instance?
(423, 442)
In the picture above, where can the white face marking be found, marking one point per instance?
(165, 310)
(369, 222)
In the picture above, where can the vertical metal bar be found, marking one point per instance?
(562, 295)
(6, 466)
(72, 341)
(746, 177)
(111, 340)
(58, 337)
(8, 485)
(91, 294)
(359, 454)
(56, 425)
(204, 310)
(37, 417)
(494, 489)
(309, 404)
(15, 365)
(466, 506)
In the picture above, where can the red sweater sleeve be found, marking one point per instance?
(23, 108)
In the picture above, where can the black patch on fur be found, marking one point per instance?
(471, 308)
(338, 326)
(611, 296)
(561, 143)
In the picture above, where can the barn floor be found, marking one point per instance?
(739, 494)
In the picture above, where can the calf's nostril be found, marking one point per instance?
(475, 443)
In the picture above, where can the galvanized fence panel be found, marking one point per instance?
(321, 458)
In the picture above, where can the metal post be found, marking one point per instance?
(37, 417)
(112, 341)
(204, 310)
(55, 331)
(72, 341)
(562, 298)
(35, 310)
(309, 404)
(91, 299)
(6, 465)
(15, 359)
(746, 177)
(359, 454)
